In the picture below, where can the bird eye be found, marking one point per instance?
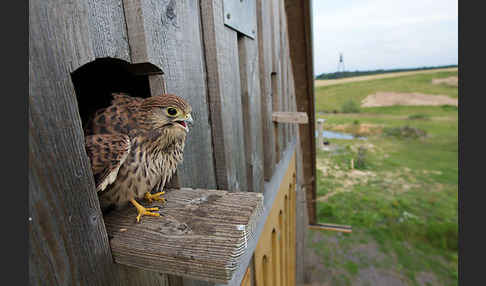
(172, 111)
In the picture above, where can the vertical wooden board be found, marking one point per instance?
(293, 104)
(251, 106)
(265, 68)
(172, 33)
(300, 219)
(277, 92)
(68, 244)
(134, 276)
(283, 68)
(108, 29)
(285, 94)
(300, 40)
(223, 81)
(64, 26)
(277, 127)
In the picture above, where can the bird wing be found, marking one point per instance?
(107, 152)
(117, 118)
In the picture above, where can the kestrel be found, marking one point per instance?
(134, 146)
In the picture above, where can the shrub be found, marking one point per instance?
(443, 235)
(419, 116)
(404, 132)
(325, 211)
(448, 107)
(350, 106)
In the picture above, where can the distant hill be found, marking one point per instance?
(336, 75)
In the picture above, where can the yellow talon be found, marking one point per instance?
(144, 211)
(155, 197)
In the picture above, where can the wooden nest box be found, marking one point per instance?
(245, 67)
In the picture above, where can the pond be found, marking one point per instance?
(339, 135)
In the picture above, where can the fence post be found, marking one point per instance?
(320, 128)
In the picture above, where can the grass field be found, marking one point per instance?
(401, 197)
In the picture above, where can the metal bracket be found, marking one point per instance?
(240, 15)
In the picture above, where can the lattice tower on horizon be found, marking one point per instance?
(340, 67)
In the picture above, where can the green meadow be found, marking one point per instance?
(398, 189)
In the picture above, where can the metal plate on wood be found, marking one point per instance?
(240, 15)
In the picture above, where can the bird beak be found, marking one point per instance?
(189, 119)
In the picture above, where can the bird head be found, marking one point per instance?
(168, 113)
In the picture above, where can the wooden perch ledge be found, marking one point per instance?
(201, 234)
(290, 117)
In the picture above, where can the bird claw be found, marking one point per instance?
(155, 197)
(143, 210)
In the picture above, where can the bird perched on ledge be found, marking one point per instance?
(134, 146)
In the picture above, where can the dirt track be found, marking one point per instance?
(325, 82)
(395, 98)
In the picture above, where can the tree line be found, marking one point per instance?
(336, 75)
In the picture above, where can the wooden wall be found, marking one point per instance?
(233, 83)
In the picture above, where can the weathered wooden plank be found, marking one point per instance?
(265, 67)
(277, 96)
(108, 29)
(301, 214)
(251, 107)
(201, 233)
(223, 81)
(68, 244)
(290, 117)
(157, 84)
(284, 58)
(168, 34)
(135, 276)
(299, 17)
(331, 227)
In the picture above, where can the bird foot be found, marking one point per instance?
(143, 210)
(155, 197)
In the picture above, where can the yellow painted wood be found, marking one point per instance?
(274, 256)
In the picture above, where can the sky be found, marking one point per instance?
(384, 34)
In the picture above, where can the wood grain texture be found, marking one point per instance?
(137, 38)
(300, 39)
(265, 66)
(108, 29)
(332, 227)
(168, 34)
(200, 234)
(277, 92)
(224, 90)
(251, 108)
(290, 117)
(68, 244)
(157, 84)
(284, 57)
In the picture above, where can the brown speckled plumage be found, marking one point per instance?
(135, 145)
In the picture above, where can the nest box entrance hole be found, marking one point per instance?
(96, 81)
